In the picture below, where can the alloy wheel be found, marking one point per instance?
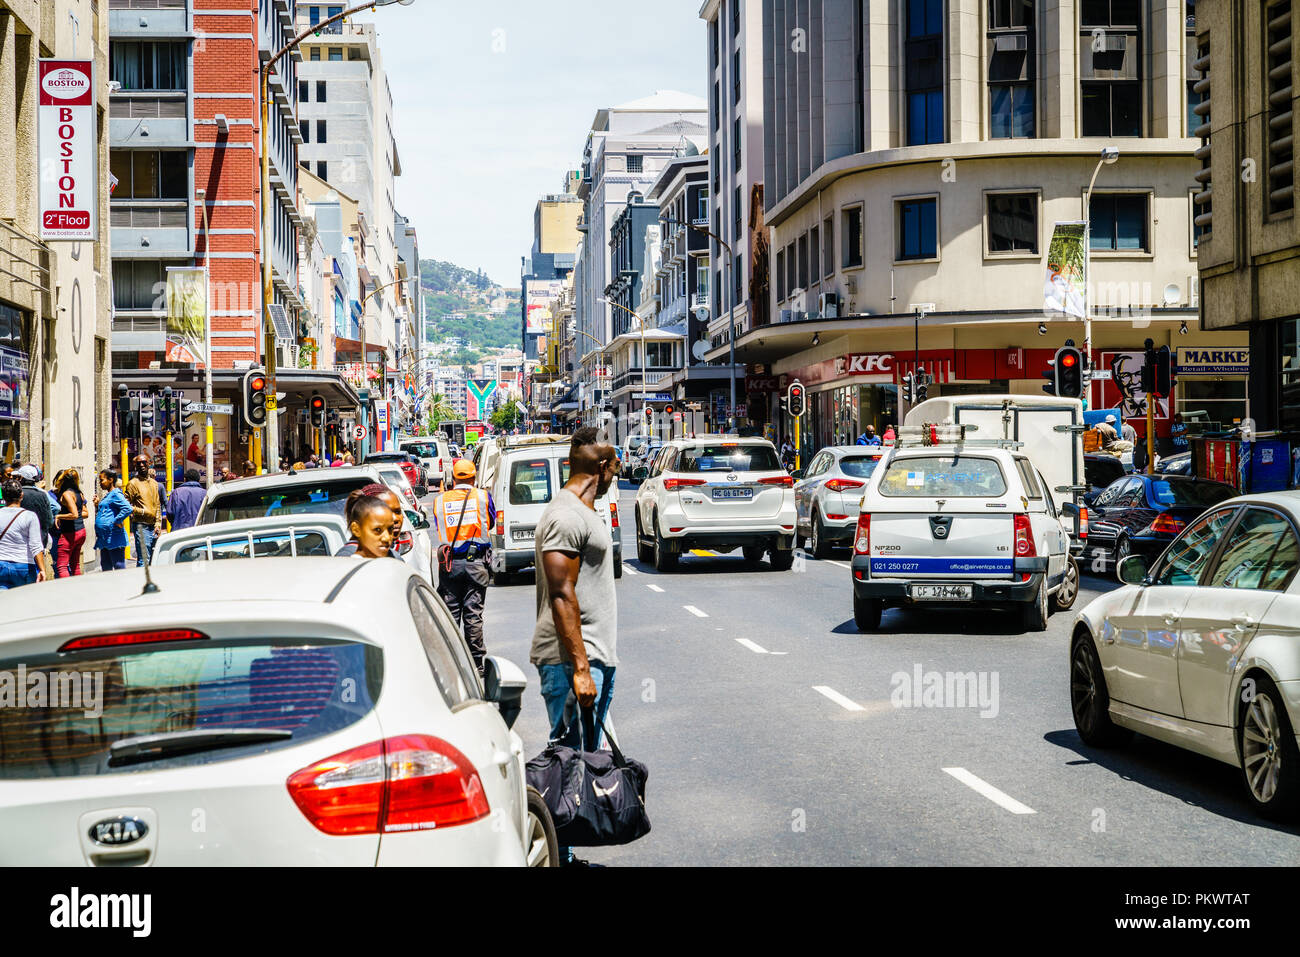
(1261, 743)
(538, 849)
(1083, 687)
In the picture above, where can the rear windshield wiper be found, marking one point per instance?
(153, 747)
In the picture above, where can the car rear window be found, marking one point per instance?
(530, 482)
(299, 544)
(328, 497)
(859, 466)
(728, 457)
(950, 476)
(309, 687)
(1100, 472)
(1197, 494)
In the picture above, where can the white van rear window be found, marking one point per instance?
(946, 476)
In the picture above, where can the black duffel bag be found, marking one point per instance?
(596, 798)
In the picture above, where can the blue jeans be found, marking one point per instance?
(561, 708)
(142, 551)
(111, 559)
(13, 574)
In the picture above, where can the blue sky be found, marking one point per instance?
(492, 101)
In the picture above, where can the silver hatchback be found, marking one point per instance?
(827, 493)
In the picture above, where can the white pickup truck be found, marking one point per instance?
(955, 522)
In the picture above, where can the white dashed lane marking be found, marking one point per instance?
(695, 611)
(755, 647)
(839, 699)
(655, 588)
(629, 570)
(980, 786)
(839, 564)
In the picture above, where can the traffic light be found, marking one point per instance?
(909, 391)
(185, 418)
(255, 383)
(1149, 369)
(125, 421)
(148, 415)
(316, 408)
(923, 380)
(794, 399)
(1069, 371)
(1053, 384)
(668, 411)
(1165, 378)
(649, 415)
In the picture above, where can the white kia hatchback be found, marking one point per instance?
(284, 711)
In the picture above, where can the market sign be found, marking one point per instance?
(67, 152)
(1194, 360)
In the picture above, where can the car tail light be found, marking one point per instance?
(840, 485)
(834, 517)
(672, 483)
(501, 521)
(1024, 537)
(1083, 522)
(613, 515)
(1168, 525)
(117, 639)
(413, 782)
(785, 481)
(862, 540)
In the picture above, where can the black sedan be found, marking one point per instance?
(1141, 514)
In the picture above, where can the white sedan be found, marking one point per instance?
(1203, 649)
(284, 711)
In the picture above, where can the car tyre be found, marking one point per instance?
(645, 553)
(1266, 746)
(866, 613)
(817, 542)
(504, 578)
(543, 846)
(1068, 590)
(1122, 551)
(618, 568)
(753, 553)
(782, 559)
(1090, 699)
(665, 558)
(1036, 611)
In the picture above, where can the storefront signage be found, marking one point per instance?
(1195, 361)
(762, 383)
(865, 363)
(67, 155)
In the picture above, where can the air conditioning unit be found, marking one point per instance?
(828, 304)
(1018, 43)
(1114, 43)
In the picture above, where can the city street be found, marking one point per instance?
(767, 724)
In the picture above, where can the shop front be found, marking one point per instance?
(14, 394)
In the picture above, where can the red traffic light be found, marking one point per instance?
(257, 383)
(1069, 359)
(668, 410)
(317, 403)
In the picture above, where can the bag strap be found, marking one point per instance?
(11, 524)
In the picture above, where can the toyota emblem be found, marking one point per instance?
(733, 477)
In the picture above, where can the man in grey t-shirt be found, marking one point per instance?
(575, 639)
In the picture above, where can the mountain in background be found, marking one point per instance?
(491, 312)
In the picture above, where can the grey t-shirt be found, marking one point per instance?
(568, 525)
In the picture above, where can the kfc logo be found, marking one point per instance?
(865, 363)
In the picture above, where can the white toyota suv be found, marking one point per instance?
(719, 492)
(961, 525)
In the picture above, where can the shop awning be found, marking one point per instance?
(349, 350)
(297, 384)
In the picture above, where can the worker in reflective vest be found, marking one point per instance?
(463, 518)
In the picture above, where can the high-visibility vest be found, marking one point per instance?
(474, 527)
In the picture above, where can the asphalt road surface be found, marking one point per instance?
(775, 733)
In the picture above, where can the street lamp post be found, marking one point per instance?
(1109, 156)
(268, 328)
(645, 386)
(202, 195)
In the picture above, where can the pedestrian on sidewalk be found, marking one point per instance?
(22, 550)
(111, 510)
(70, 536)
(463, 518)
(183, 504)
(36, 500)
(146, 509)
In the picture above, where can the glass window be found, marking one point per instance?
(1211, 404)
(1027, 477)
(304, 127)
(918, 236)
(1011, 110)
(924, 117)
(320, 131)
(1101, 471)
(313, 16)
(320, 91)
(322, 169)
(1250, 555)
(814, 250)
(1112, 108)
(1200, 494)
(286, 684)
(828, 245)
(955, 476)
(331, 497)
(1004, 14)
(438, 636)
(303, 89)
(315, 53)
(1113, 492)
(149, 65)
(1013, 223)
(1185, 559)
(634, 163)
(336, 53)
(149, 174)
(729, 457)
(530, 482)
(851, 231)
(780, 274)
(924, 17)
(859, 466)
(1119, 222)
(264, 545)
(803, 261)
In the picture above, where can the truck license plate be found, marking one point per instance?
(940, 592)
(720, 493)
(522, 534)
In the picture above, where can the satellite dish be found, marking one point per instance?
(699, 349)
(1172, 293)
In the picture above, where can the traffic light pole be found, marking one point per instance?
(1151, 435)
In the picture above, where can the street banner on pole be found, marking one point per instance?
(1066, 286)
(67, 150)
(187, 314)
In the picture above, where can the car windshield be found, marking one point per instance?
(328, 497)
(304, 686)
(1195, 494)
(859, 466)
(949, 476)
(728, 457)
(393, 474)
(530, 482)
(425, 451)
(299, 543)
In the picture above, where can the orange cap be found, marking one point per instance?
(463, 470)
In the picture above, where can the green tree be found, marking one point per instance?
(508, 416)
(439, 410)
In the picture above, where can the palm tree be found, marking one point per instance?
(439, 410)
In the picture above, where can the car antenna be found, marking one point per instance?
(149, 587)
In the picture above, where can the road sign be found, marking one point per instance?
(213, 408)
(359, 432)
(677, 416)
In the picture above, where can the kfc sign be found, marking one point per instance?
(68, 158)
(865, 363)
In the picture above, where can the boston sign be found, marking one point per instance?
(68, 158)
